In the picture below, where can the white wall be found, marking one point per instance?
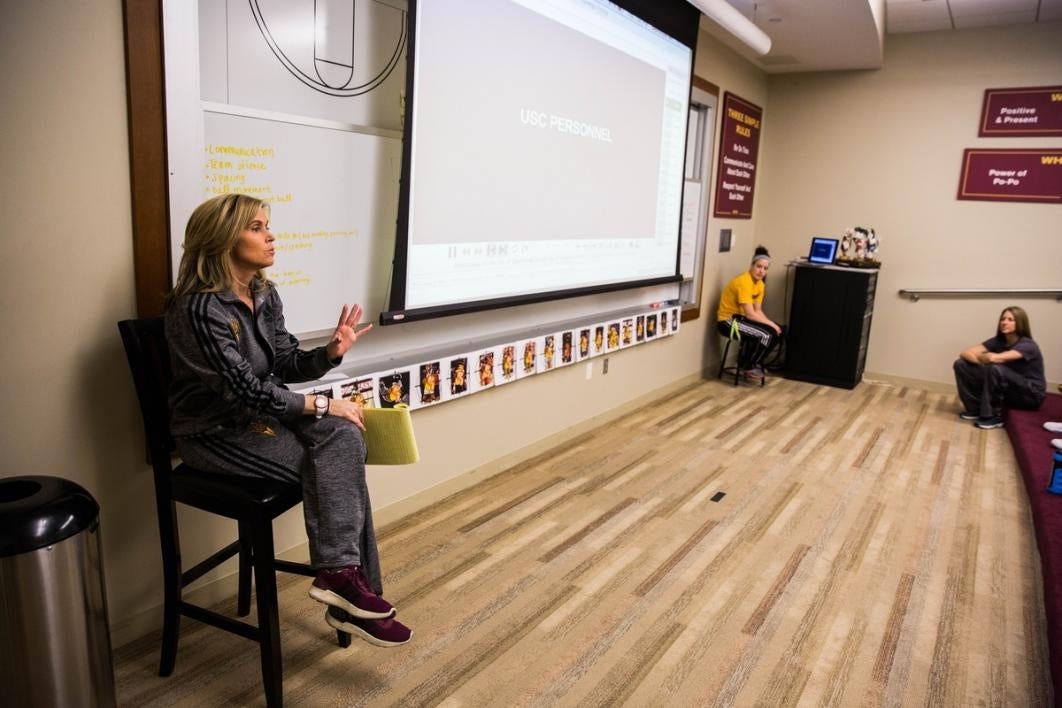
(883, 149)
(67, 275)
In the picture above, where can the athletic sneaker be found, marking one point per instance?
(1057, 442)
(348, 590)
(1053, 427)
(381, 632)
(990, 422)
(966, 415)
(755, 373)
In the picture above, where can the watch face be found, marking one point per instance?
(320, 403)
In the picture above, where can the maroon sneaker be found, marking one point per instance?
(348, 590)
(381, 632)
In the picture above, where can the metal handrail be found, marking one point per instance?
(915, 293)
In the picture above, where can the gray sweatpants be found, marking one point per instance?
(985, 389)
(328, 457)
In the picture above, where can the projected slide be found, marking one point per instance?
(552, 111)
(547, 147)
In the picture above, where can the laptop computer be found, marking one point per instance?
(823, 251)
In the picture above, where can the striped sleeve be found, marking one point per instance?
(209, 349)
(292, 364)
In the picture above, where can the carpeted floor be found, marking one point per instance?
(790, 545)
(1034, 455)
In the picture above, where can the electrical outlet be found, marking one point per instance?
(604, 366)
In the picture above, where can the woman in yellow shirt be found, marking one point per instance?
(741, 308)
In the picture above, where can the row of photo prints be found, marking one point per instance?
(459, 375)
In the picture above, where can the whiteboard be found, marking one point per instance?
(333, 218)
(297, 103)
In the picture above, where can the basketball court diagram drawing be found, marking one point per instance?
(342, 48)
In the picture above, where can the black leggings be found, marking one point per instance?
(757, 340)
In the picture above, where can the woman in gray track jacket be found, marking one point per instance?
(231, 412)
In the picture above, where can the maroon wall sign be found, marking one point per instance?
(1029, 111)
(1012, 175)
(739, 147)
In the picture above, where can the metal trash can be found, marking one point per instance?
(55, 643)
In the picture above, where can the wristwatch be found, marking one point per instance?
(320, 406)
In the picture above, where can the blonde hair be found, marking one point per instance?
(212, 232)
(1021, 321)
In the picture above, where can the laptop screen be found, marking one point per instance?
(823, 251)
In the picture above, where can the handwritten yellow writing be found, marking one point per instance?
(241, 150)
(225, 176)
(307, 235)
(263, 193)
(289, 278)
(226, 179)
(304, 240)
(293, 246)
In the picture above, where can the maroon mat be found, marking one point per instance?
(1032, 447)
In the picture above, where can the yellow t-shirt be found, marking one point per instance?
(742, 290)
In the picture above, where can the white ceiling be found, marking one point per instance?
(824, 35)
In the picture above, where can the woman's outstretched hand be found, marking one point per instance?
(346, 333)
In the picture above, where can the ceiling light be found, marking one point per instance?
(730, 19)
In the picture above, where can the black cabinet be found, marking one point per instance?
(829, 324)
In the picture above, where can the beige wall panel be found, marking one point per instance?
(67, 275)
(883, 149)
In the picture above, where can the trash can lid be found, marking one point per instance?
(38, 511)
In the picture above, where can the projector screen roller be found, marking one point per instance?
(545, 145)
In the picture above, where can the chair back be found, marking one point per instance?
(149, 361)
